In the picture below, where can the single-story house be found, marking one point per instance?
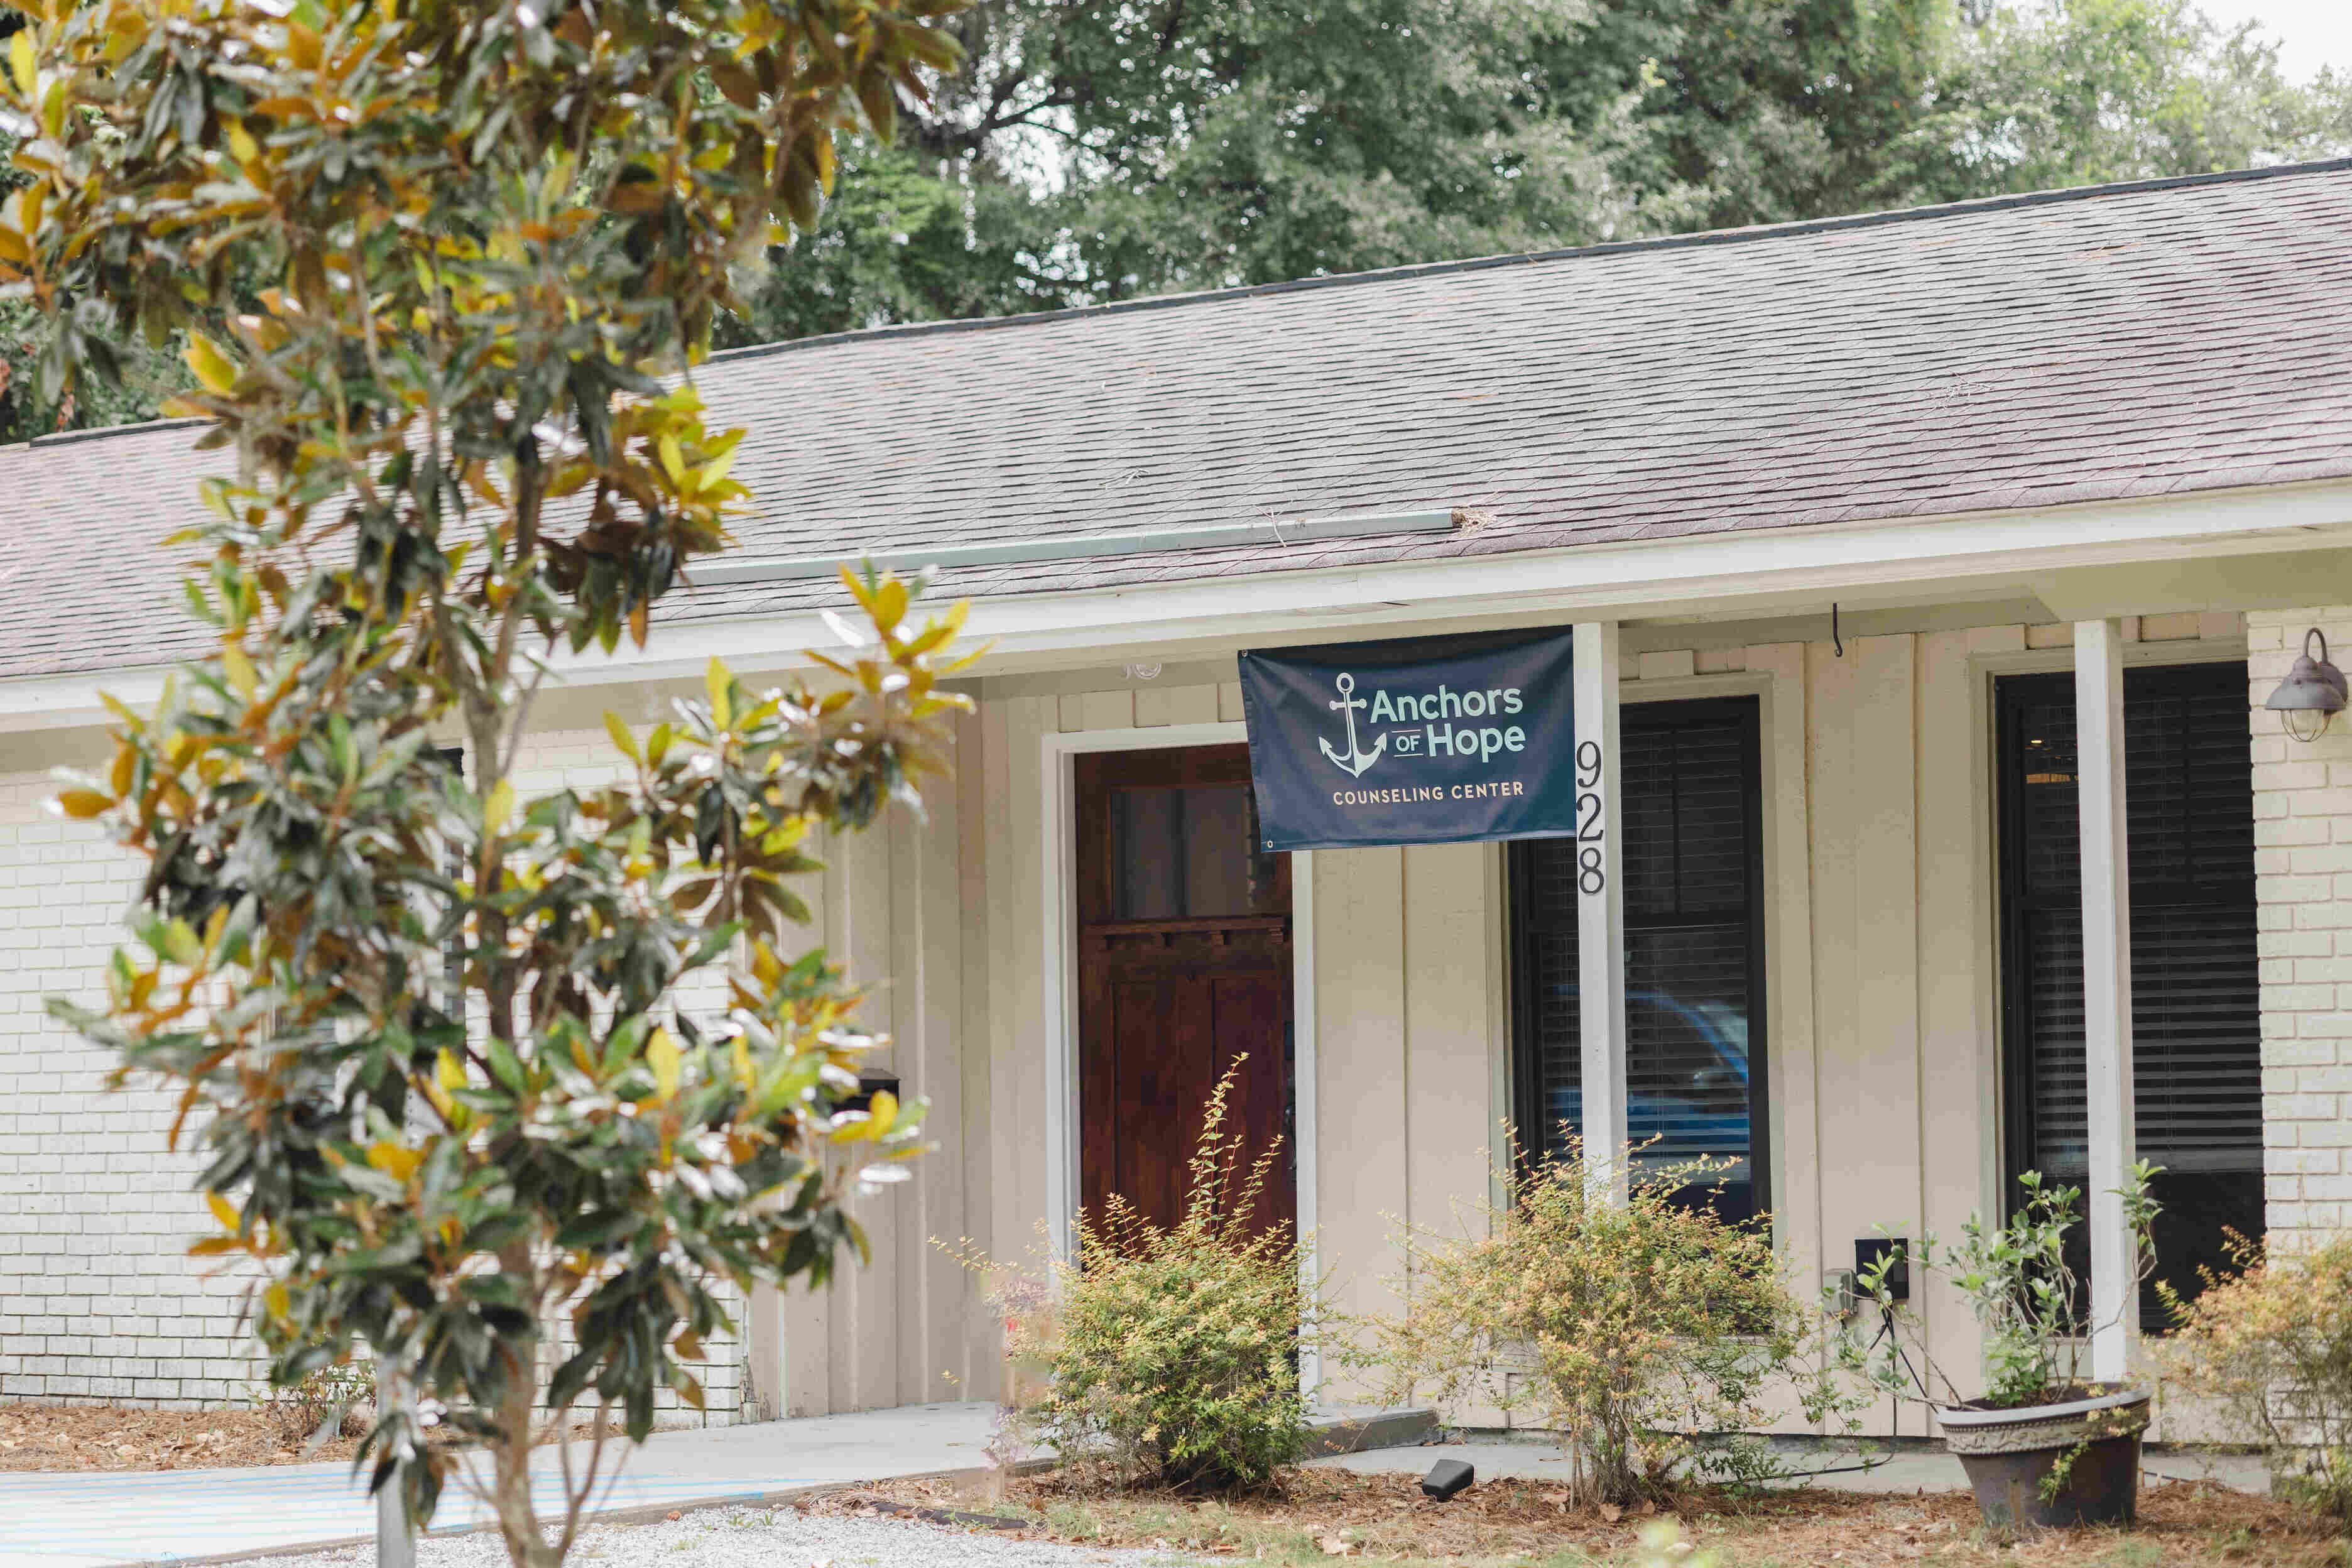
(1923, 577)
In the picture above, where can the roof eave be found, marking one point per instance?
(1927, 560)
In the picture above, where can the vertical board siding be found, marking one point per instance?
(1450, 1126)
(1158, 706)
(975, 1357)
(1017, 1000)
(1959, 1062)
(1363, 1075)
(1865, 941)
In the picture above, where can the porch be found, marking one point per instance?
(1864, 979)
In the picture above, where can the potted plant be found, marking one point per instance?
(2045, 1445)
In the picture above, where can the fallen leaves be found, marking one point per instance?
(1314, 1511)
(64, 1437)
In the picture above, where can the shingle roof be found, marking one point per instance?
(2079, 346)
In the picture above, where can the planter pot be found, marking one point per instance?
(2007, 1453)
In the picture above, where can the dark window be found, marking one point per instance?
(1183, 853)
(2196, 997)
(1693, 978)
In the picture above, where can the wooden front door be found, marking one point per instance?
(1184, 969)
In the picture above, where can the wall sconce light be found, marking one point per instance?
(2312, 693)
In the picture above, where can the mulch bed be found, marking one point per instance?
(1336, 1513)
(108, 1437)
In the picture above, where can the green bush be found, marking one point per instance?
(2272, 1348)
(1170, 1350)
(1641, 1331)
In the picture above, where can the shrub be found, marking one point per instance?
(1170, 1350)
(1635, 1329)
(332, 1401)
(2273, 1348)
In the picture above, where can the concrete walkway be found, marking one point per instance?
(83, 1520)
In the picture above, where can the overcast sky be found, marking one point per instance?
(2310, 33)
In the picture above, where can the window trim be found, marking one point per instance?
(1526, 1073)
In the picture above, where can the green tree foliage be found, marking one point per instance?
(1084, 152)
(427, 1030)
(27, 408)
(2074, 93)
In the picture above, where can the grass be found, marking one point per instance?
(1322, 1516)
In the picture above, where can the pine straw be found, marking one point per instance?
(1319, 1515)
(108, 1437)
(116, 1437)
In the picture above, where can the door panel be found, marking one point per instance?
(1184, 969)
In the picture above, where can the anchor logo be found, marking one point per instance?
(1357, 760)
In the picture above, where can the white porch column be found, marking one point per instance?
(1600, 904)
(2106, 988)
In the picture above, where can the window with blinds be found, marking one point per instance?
(1694, 981)
(2196, 1000)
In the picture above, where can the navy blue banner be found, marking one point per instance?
(1420, 741)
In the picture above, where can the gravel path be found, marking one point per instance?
(757, 1538)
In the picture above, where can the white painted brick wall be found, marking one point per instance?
(2303, 867)
(99, 1301)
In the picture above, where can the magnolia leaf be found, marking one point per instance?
(394, 1160)
(240, 671)
(621, 736)
(662, 1056)
(82, 802)
(211, 366)
(716, 681)
(223, 1210)
(24, 65)
(849, 633)
(498, 807)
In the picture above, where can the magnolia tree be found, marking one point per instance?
(446, 266)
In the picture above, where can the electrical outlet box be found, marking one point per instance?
(1837, 1293)
(1869, 1251)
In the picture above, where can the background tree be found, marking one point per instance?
(1084, 153)
(2074, 93)
(428, 1032)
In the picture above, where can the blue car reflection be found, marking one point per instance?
(1686, 1090)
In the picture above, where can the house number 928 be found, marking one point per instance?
(1589, 830)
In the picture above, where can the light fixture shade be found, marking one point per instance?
(2312, 690)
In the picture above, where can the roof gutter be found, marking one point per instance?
(1080, 547)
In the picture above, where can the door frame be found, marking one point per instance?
(1059, 769)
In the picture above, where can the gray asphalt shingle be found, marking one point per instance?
(2116, 343)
